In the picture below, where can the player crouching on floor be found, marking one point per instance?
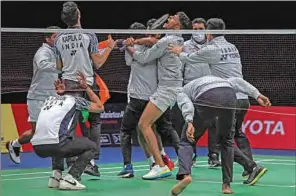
(53, 138)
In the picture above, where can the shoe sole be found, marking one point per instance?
(92, 174)
(7, 147)
(126, 175)
(260, 175)
(165, 175)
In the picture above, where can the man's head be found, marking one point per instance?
(70, 14)
(199, 24)
(49, 38)
(215, 24)
(137, 25)
(150, 22)
(178, 21)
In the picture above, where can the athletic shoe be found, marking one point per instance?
(14, 152)
(92, 170)
(245, 174)
(214, 161)
(54, 179)
(151, 166)
(168, 162)
(127, 171)
(70, 183)
(255, 176)
(157, 172)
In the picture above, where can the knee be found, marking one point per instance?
(144, 125)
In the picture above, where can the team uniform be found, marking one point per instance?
(74, 50)
(193, 71)
(215, 91)
(142, 84)
(53, 138)
(44, 75)
(224, 61)
(170, 80)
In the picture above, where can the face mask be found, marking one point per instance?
(199, 37)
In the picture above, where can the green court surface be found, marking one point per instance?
(278, 181)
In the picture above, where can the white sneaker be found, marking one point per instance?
(70, 183)
(14, 152)
(157, 172)
(54, 179)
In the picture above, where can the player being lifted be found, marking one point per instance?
(53, 137)
(142, 84)
(220, 93)
(78, 51)
(45, 73)
(170, 82)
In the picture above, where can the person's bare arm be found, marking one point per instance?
(97, 58)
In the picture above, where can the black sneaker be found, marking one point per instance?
(255, 176)
(245, 174)
(92, 170)
(214, 161)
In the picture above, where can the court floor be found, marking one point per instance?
(279, 180)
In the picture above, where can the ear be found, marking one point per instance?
(47, 39)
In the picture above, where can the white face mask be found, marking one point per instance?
(199, 37)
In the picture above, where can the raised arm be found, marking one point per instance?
(146, 41)
(97, 58)
(95, 105)
(153, 53)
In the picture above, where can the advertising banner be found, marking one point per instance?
(266, 128)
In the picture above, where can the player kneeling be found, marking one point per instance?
(53, 138)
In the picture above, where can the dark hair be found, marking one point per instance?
(150, 22)
(184, 20)
(69, 13)
(137, 25)
(47, 35)
(199, 20)
(216, 24)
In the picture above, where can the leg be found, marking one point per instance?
(240, 137)
(149, 116)
(85, 150)
(225, 128)
(213, 147)
(185, 155)
(13, 147)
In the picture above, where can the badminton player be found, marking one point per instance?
(142, 84)
(45, 73)
(170, 82)
(224, 60)
(78, 51)
(53, 138)
(214, 91)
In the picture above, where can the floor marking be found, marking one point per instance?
(263, 161)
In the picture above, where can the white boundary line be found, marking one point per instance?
(168, 179)
(264, 161)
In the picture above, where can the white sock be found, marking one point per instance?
(16, 143)
(162, 152)
(92, 162)
(151, 160)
